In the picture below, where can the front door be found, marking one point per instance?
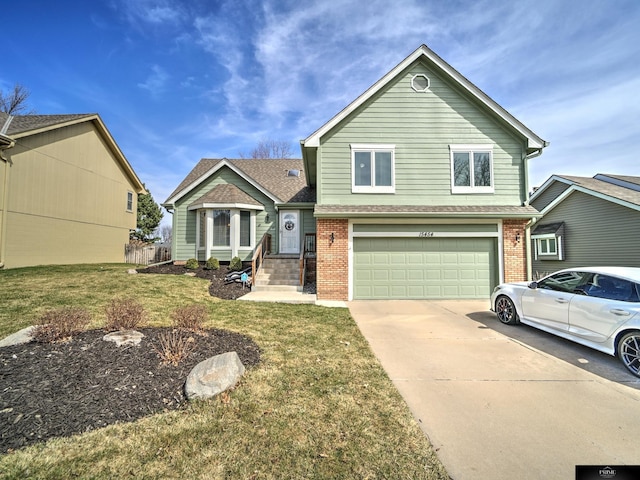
(289, 231)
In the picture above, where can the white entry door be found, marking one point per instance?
(289, 231)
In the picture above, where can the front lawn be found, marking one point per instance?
(318, 405)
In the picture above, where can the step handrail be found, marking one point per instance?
(263, 249)
(309, 247)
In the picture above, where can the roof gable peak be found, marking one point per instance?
(534, 142)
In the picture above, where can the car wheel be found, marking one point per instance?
(506, 311)
(629, 352)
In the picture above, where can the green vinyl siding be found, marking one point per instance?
(185, 221)
(421, 126)
(596, 232)
(424, 268)
(308, 221)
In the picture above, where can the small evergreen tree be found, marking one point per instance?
(149, 217)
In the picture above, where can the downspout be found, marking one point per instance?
(527, 228)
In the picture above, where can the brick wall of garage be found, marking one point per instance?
(515, 260)
(332, 273)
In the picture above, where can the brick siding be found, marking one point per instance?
(332, 270)
(515, 259)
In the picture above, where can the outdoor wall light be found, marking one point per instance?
(518, 237)
(266, 218)
(332, 237)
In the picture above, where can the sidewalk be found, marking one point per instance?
(290, 297)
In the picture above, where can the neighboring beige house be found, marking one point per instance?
(67, 192)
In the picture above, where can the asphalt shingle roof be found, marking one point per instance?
(269, 174)
(497, 210)
(226, 193)
(606, 188)
(24, 123)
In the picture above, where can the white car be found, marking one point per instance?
(595, 306)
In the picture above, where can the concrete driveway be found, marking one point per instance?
(499, 401)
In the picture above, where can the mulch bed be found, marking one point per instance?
(218, 288)
(53, 390)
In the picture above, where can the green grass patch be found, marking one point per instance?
(318, 406)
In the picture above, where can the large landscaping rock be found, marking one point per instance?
(23, 336)
(213, 376)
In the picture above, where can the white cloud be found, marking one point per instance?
(156, 81)
(153, 12)
(568, 73)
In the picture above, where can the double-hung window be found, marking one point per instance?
(471, 168)
(372, 168)
(129, 201)
(245, 228)
(221, 228)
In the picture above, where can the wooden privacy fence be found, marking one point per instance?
(146, 254)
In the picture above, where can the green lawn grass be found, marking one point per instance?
(318, 406)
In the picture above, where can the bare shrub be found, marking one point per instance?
(124, 314)
(174, 346)
(60, 324)
(191, 317)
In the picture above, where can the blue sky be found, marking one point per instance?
(176, 81)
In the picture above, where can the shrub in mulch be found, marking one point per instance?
(174, 346)
(60, 324)
(190, 317)
(124, 314)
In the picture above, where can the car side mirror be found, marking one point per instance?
(533, 285)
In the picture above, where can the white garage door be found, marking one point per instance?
(414, 268)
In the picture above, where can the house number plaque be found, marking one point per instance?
(425, 234)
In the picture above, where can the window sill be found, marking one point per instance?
(472, 190)
(373, 190)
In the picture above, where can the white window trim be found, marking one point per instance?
(373, 147)
(471, 149)
(130, 195)
(234, 240)
(557, 238)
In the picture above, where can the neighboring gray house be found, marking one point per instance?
(586, 221)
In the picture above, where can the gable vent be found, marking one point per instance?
(420, 83)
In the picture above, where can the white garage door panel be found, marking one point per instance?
(423, 267)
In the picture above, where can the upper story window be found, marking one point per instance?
(471, 168)
(372, 168)
(129, 201)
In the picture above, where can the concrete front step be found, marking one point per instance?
(275, 288)
(280, 273)
(292, 277)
